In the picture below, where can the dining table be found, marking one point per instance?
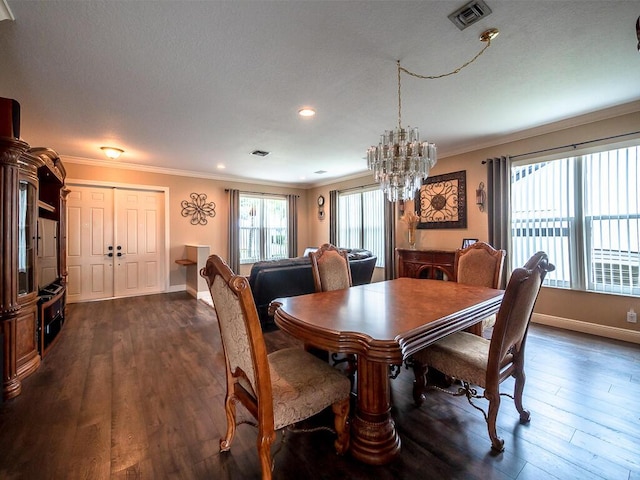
(383, 324)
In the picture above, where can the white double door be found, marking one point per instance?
(115, 242)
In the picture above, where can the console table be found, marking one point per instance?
(432, 264)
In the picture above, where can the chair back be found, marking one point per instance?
(242, 340)
(330, 267)
(479, 264)
(512, 322)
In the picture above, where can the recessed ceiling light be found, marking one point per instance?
(320, 172)
(221, 166)
(306, 112)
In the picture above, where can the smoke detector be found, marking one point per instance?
(469, 14)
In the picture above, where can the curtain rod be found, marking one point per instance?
(574, 145)
(262, 193)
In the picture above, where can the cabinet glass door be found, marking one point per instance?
(26, 237)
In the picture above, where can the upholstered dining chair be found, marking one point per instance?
(278, 389)
(330, 268)
(486, 363)
(479, 264)
(331, 271)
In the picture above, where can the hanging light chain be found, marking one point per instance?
(485, 37)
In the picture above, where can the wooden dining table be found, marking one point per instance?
(383, 324)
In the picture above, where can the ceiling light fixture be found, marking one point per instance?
(112, 152)
(401, 161)
(306, 112)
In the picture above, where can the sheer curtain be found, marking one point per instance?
(498, 205)
(234, 231)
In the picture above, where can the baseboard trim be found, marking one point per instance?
(176, 288)
(586, 327)
(199, 295)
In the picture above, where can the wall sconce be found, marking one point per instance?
(112, 152)
(481, 196)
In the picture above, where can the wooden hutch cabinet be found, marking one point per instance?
(33, 195)
(433, 264)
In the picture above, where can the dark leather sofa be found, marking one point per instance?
(289, 277)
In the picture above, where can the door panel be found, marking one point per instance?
(129, 225)
(89, 234)
(139, 229)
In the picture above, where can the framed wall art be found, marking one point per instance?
(441, 201)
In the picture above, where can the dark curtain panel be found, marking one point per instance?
(498, 205)
(234, 231)
(293, 225)
(390, 241)
(333, 217)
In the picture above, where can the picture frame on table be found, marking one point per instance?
(466, 242)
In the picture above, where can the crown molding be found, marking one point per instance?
(178, 172)
(552, 127)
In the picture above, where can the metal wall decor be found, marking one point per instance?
(441, 201)
(198, 209)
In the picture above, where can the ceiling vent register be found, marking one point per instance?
(469, 14)
(260, 153)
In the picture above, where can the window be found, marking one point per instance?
(584, 211)
(361, 221)
(263, 226)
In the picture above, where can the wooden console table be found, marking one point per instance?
(432, 264)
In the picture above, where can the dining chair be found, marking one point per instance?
(330, 268)
(480, 264)
(278, 389)
(477, 361)
(331, 271)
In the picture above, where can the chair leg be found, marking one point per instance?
(341, 424)
(230, 409)
(419, 382)
(264, 453)
(352, 368)
(520, 377)
(497, 443)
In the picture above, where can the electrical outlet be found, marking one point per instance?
(632, 316)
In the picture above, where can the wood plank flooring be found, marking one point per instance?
(134, 389)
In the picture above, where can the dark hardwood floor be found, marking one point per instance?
(134, 389)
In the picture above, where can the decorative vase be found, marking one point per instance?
(412, 237)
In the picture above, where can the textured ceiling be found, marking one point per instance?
(190, 85)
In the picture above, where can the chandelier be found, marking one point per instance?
(401, 161)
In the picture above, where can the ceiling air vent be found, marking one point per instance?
(469, 14)
(260, 153)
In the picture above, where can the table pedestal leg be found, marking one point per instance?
(374, 438)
